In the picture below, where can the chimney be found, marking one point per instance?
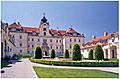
(19, 23)
(93, 37)
(105, 33)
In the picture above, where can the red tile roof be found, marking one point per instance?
(96, 41)
(29, 29)
(14, 25)
(62, 32)
(70, 30)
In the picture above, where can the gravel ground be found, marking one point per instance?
(19, 69)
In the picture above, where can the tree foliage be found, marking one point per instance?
(52, 53)
(66, 54)
(98, 52)
(91, 54)
(38, 53)
(76, 53)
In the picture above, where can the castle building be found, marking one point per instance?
(25, 39)
(109, 43)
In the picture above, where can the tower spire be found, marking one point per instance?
(44, 19)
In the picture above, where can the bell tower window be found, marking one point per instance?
(44, 33)
(44, 29)
(44, 24)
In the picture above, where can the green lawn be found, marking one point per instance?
(72, 73)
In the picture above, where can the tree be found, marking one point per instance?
(52, 53)
(66, 54)
(38, 52)
(76, 53)
(98, 52)
(91, 54)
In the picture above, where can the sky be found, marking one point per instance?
(88, 18)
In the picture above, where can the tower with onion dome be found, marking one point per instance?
(44, 26)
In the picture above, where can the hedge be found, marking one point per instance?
(78, 64)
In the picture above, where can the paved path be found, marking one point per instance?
(21, 69)
(111, 69)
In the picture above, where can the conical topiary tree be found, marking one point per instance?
(52, 53)
(98, 52)
(38, 52)
(76, 52)
(91, 54)
(66, 54)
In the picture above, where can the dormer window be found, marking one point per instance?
(13, 30)
(74, 34)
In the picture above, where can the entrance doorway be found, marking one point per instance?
(113, 51)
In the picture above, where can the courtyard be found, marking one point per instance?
(24, 69)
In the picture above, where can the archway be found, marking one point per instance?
(113, 51)
(45, 48)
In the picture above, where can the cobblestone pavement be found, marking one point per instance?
(21, 69)
(110, 69)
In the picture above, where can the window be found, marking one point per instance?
(20, 37)
(60, 41)
(44, 24)
(44, 29)
(82, 50)
(28, 39)
(32, 45)
(38, 40)
(20, 51)
(10, 50)
(44, 33)
(79, 40)
(28, 45)
(13, 36)
(60, 47)
(87, 50)
(56, 41)
(13, 30)
(20, 44)
(74, 40)
(70, 40)
(50, 40)
(28, 52)
(56, 47)
(32, 39)
(51, 47)
(70, 46)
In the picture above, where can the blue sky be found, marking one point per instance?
(89, 18)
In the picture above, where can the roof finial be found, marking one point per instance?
(43, 14)
(71, 26)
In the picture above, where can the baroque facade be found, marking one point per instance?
(25, 39)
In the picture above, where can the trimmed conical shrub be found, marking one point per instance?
(38, 53)
(98, 52)
(66, 54)
(52, 53)
(76, 53)
(91, 54)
